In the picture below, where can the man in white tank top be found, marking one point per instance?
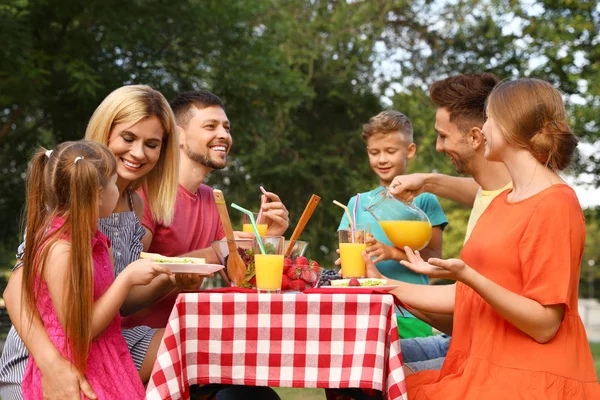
(460, 115)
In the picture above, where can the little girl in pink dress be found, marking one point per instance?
(68, 277)
(110, 369)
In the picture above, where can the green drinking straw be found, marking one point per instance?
(251, 216)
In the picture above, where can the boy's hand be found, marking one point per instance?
(143, 271)
(407, 187)
(371, 270)
(380, 251)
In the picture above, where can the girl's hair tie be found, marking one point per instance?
(77, 159)
(49, 153)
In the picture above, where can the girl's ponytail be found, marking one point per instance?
(84, 188)
(36, 220)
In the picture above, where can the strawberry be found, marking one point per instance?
(293, 273)
(353, 282)
(297, 285)
(301, 261)
(287, 264)
(285, 282)
(314, 267)
(253, 281)
(307, 276)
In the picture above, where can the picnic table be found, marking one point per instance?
(321, 339)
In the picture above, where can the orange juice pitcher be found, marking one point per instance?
(404, 224)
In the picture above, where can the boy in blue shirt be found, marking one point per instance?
(389, 140)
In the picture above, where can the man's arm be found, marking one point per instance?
(461, 190)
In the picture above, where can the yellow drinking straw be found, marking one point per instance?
(337, 203)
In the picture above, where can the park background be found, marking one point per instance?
(298, 78)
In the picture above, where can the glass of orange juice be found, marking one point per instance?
(247, 225)
(352, 244)
(269, 266)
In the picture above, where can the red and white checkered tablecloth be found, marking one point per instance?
(292, 340)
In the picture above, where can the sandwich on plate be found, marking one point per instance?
(160, 259)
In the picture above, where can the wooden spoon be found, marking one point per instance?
(308, 211)
(236, 268)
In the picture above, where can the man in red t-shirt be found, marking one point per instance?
(205, 141)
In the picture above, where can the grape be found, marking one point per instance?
(327, 276)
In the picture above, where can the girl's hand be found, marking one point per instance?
(64, 382)
(379, 250)
(371, 270)
(143, 271)
(453, 268)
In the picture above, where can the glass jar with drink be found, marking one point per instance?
(403, 223)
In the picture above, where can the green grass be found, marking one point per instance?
(300, 394)
(596, 355)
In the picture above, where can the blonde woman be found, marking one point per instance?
(137, 125)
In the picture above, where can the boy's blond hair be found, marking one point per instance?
(389, 121)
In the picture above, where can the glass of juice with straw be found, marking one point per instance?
(352, 243)
(269, 266)
(247, 225)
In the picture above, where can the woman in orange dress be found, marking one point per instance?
(517, 333)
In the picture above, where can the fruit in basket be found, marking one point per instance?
(287, 264)
(302, 275)
(294, 272)
(314, 266)
(327, 276)
(301, 261)
(285, 282)
(297, 285)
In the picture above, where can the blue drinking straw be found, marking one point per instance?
(251, 216)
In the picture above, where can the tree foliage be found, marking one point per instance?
(299, 78)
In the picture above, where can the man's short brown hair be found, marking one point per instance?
(386, 122)
(464, 97)
(183, 103)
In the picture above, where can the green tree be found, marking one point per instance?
(63, 58)
(589, 282)
(315, 145)
(299, 78)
